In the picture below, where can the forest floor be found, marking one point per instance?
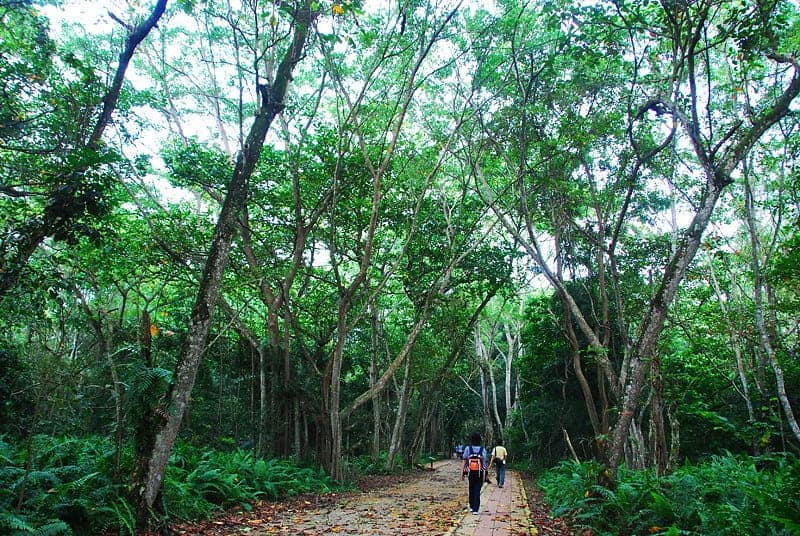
(432, 501)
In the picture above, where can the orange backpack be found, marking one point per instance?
(475, 461)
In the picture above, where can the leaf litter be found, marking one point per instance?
(425, 502)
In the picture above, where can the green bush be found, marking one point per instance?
(200, 482)
(70, 490)
(367, 465)
(725, 495)
(63, 492)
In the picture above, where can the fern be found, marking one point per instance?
(726, 495)
(11, 522)
(71, 485)
(55, 528)
(78, 485)
(200, 482)
(146, 380)
(121, 515)
(6, 450)
(36, 483)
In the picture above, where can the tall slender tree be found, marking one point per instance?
(271, 90)
(665, 63)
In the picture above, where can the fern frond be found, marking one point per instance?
(124, 516)
(145, 378)
(55, 528)
(44, 478)
(80, 483)
(66, 473)
(6, 450)
(9, 522)
(10, 473)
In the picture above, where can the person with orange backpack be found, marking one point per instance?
(475, 470)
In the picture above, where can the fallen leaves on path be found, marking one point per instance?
(423, 503)
(541, 514)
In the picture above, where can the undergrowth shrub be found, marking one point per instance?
(69, 487)
(367, 465)
(725, 495)
(201, 482)
(63, 492)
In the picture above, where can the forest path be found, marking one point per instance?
(504, 511)
(430, 502)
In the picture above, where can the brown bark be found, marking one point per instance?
(429, 397)
(492, 421)
(103, 328)
(488, 428)
(734, 340)
(497, 422)
(347, 292)
(373, 380)
(513, 337)
(425, 427)
(658, 437)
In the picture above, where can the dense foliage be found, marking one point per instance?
(726, 494)
(245, 239)
(67, 485)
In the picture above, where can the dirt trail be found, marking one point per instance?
(431, 502)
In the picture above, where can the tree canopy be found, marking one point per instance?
(332, 231)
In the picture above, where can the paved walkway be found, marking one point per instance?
(504, 511)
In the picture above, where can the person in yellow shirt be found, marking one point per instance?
(499, 459)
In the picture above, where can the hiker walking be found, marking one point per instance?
(475, 471)
(499, 458)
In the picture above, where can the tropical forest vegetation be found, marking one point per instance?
(256, 248)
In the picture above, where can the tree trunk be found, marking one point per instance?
(261, 350)
(497, 421)
(167, 426)
(334, 396)
(718, 173)
(675, 437)
(654, 322)
(488, 422)
(758, 298)
(400, 418)
(486, 412)
(658, 443)
(264, 408)
(373, 380)
(347, 293)
(104, 331)
(424, 428)
(586, 390)
(487, 365)
(513, 342)
(734, 339)
(297, 449)
(575, 350)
